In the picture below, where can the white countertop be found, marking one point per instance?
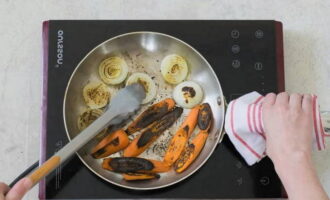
(306, 45)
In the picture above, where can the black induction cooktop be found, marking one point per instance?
(246, 56)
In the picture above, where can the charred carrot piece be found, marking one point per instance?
(134, 165)
(139, 176)
(205, 117)
(192, 151)
(150, 115)
(181, 137)
(151, 133)
(111, 144)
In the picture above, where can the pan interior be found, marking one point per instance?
(143, 52)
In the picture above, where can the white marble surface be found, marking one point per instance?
(307, 48)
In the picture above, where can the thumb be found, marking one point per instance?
(3, 190)
(19, 189)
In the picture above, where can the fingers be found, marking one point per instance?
(295, 101)
(307, 103)
(282, 99)
(19, 189)
(269, 99)
(3, 190)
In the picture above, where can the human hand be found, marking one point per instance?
(18, 190)
(288, 126)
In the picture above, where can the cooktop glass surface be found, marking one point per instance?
(245, 56)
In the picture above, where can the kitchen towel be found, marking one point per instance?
(244, 126)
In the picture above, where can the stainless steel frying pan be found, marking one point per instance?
(143, 51)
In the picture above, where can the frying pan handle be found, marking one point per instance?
(325, 116)
(223, 132)
(219, 101)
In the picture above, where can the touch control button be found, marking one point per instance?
(264, 180)
(239, 181)
(235, 48)
(234, 34)
(239, 165)
(259, 34)
(236, 64)
(258, 66)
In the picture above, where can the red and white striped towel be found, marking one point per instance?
(245, 128)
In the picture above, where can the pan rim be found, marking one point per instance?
(219, 133)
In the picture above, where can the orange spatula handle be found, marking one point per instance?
(44, 169)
